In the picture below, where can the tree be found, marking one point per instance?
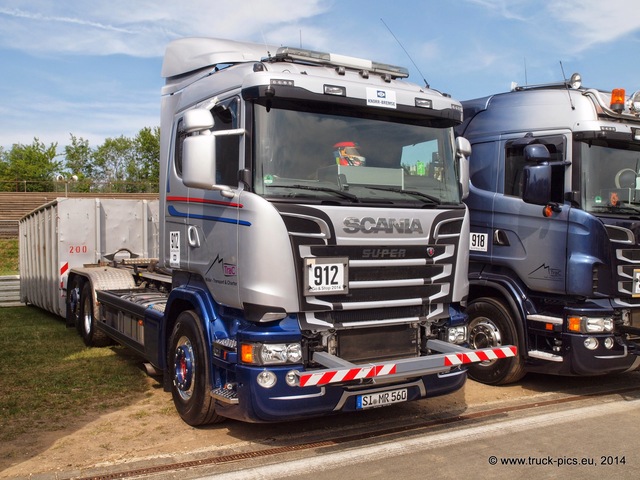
(79, 163)
(111, 160)
(30, 167)
(118, 165)
(145, 169)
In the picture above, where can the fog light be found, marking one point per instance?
(591, 343)
(291, 378)
(457, 335)
(266, 379)
(608, 343)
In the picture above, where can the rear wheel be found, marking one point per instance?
(87, 323)
(491, 325)
(73, 303)
(189, 369)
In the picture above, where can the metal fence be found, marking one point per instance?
(68, 185)
(10, 291)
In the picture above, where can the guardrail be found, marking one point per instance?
(10, 291)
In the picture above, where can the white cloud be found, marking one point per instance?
(101, 27)
(593, 22)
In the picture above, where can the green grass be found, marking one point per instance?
(8, 256)
(48, 375)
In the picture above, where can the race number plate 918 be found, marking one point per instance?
(381, 399)
(326, 275)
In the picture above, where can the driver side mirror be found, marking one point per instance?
(199, 150)
(463, 151)
(536, 188)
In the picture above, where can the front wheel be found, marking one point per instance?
(86, 322)
(189, 370)
(491, 325)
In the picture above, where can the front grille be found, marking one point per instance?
(629, 263)
(381, 314)
(387, 282)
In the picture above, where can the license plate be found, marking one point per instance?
(325, 276)
(380, 399)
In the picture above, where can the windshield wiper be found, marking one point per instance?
(340, 193)
(415, 193)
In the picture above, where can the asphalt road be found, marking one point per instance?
(595, 438)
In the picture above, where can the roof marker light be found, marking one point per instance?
(335, 90)
(617, 100)
(424, 102)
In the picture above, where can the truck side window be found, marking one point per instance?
(225, 116)
(482, 170)
(177, 153)
(514, 163)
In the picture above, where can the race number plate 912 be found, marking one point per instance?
(326, 275)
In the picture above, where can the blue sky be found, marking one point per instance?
(92, 68)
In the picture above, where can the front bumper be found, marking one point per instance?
(337, 388)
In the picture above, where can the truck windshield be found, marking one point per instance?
(313, 157)
(610, 177)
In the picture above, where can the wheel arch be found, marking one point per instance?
(512, 298)
(188, 298)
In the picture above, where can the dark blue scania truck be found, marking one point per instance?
(555, 229)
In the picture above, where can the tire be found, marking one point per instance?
(87, 323)
(73, 303)
(491, 325)
(189, 370)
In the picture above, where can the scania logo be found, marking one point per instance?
(382, 225)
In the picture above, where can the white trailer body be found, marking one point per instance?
(73, 232)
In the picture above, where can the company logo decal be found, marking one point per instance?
(382, 225)
(381, 98)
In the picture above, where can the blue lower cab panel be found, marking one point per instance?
(282, 402)
(578, 360)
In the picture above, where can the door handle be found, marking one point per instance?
(192, 236)
(500, 238)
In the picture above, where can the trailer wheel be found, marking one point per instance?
(189, 366)
(73, 303)
(491, 325)
(87, 323)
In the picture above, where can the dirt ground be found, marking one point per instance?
(149, 431)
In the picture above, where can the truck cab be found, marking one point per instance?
(303, 260)
(554, 229)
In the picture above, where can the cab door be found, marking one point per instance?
(533, 245)
(213, 217)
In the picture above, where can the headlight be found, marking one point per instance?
(590, 325)
(271, 353)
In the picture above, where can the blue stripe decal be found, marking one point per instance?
(175, 213)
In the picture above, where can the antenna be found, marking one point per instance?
(407, 53)
(526, 81)
(566, 86)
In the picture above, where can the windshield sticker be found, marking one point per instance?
(381, 98)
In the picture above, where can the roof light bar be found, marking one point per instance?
(335, 60)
